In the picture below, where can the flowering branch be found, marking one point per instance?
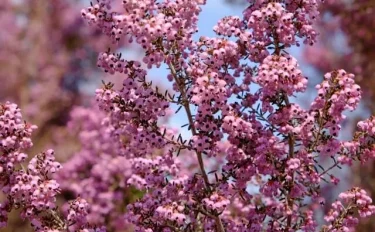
(31, 189)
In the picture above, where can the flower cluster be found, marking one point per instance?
(32, 188)
(15, 134)
(284, 21)
(363, 142)
(147, 21)
(358, 31)
(280, 74)
(132, 170)
(340, 216)
(251, 138)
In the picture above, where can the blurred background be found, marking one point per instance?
(48, 67)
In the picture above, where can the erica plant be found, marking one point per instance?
(251, 161)
(355, 54)
(30, 187)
